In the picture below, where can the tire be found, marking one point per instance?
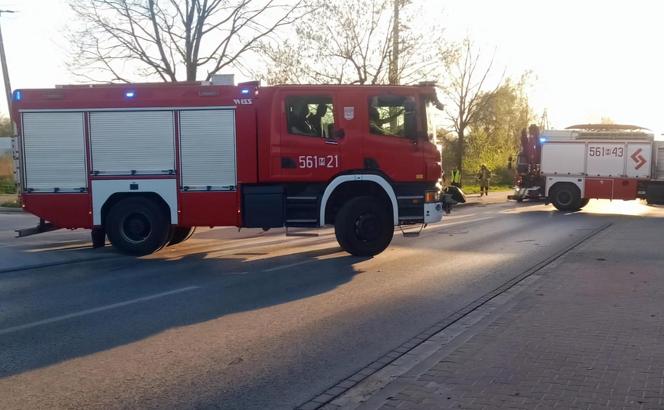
(181, 234)
(98, 236)
(364, 227)
(566, 197)
(138, 226)
(584, 202)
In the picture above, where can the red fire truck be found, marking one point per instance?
(144, 164)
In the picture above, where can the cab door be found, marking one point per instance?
(392, 141)
(310, 139)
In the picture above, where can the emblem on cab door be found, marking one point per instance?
(349, 113)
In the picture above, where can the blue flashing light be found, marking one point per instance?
(130, 94)
(18, 95)
(245, 91)
(542, 140)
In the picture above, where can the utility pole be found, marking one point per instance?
(394, 64)
(5, 72)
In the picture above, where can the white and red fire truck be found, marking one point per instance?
(601, 161)
(144, 164)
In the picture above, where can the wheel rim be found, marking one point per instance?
(136, 227)
(367, 227)
(564, 198)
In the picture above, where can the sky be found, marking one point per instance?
(589, 58)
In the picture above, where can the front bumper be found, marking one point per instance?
(433, 212)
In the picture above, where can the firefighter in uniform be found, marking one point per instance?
(484, 176)
(456, 177)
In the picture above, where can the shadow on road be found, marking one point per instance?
(243, 280)
(226, 285)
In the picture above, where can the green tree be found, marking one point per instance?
(7, 185)
(493, 134)
(6, 128)
(463, 86)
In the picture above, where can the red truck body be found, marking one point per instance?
(211, 155)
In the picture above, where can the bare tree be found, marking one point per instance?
(352, 42)
(171, 39)
(463, 87)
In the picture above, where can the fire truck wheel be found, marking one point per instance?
(566, 197)
(181, 234)
(363, 226)
(137, 226)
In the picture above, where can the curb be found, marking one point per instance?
(7, 210)
(364, 384)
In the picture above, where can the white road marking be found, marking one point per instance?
(289, 266)
(448, 217)
(94, 310)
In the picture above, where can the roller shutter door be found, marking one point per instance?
(207, 150)
(659, 167)
(132, 142)
(54, 152)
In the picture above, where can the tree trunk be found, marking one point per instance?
(394, 63)
(461, 150)
(191, 72)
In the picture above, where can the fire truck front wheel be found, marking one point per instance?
(137, 226)
(565, 197)
(363, 226)
(181, 234)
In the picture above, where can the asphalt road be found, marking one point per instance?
(249, 319)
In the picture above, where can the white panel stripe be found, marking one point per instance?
(360, 177)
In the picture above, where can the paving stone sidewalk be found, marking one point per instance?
(588, 334)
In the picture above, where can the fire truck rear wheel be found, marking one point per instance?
(363, 226)
(137, 226)
(181, 234)
(566, 197)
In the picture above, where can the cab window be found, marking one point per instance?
(392, 115)
(310, 116)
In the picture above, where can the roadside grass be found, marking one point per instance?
(6, 165)
(8, 196)
(9, 201)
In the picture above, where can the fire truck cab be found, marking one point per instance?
(144, 164)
